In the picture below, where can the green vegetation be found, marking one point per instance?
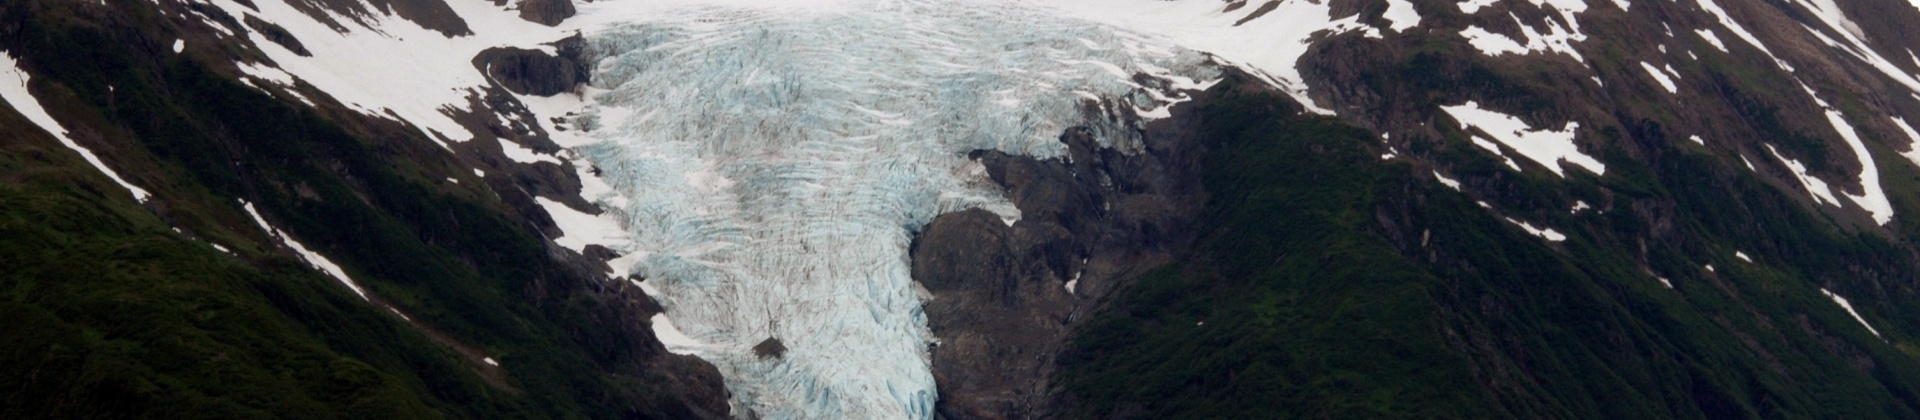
(1330, 284)
(114, 314)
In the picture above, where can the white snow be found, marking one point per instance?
(1708, 35)
(221, 248)
(1402, 15)
(1732, 25)
(1913, 149)
(1709, 267)
(1872, 198)
(1547, 147)
(1664, 281)
(1742, 256)
(521, 154)
(1849, 307)
(179, 45)
(391, 66)
(1494, 148)
(1696, 139)
(1743, 159)
(1660, 76)
(1473, 6)
(1856, 44)
(1579, 205)
(490, 361)
(13, 89)
(581, 229)
(1492, 44)
(1271, 44)
(319, 262)
(1557, 39)
(1545, 233)
(1821, 193)
(1444, 180)
(677, 342)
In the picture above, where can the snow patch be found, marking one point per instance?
(677, 342)
(1494, 148)
(1449, 182)
(1742, 256)
(1872, 197)
(1708, 35)
(314, 259)
(1401, 15)
(13, 89)
(1557, 39)
(391, 67)
(1473, 6)
(579, 229)
(1849, 307)
(1660, 76)
(1492, 44)
(1732, 25)
(489, 361)
(521, 154)
(1821, 193)
(179, 45)
(1545, 233)
(1547, 147)
(1913, 149)
(1270, 45)
(1696, 139)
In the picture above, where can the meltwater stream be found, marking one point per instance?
(771, 162)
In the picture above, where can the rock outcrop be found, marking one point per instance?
(1005, 297)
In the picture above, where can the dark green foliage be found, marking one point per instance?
(1333, 285)
(112, 314)
(1291, 309)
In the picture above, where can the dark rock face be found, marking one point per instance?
(1000, 303)
(533, 72)
(546, 12)
(278, 35)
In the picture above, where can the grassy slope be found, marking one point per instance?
(124, 317)
(1296, 303)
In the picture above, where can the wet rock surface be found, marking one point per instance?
(535, 72)
(546, 12)
(1004, 298)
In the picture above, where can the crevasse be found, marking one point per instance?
(772, 163)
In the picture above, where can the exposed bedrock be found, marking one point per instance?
(535, 72)
(1004, 298)
(546, 12)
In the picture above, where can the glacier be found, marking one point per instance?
(770, 164)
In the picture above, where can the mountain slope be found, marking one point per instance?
(215, 292)
(984, 209)
(1330, 283)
